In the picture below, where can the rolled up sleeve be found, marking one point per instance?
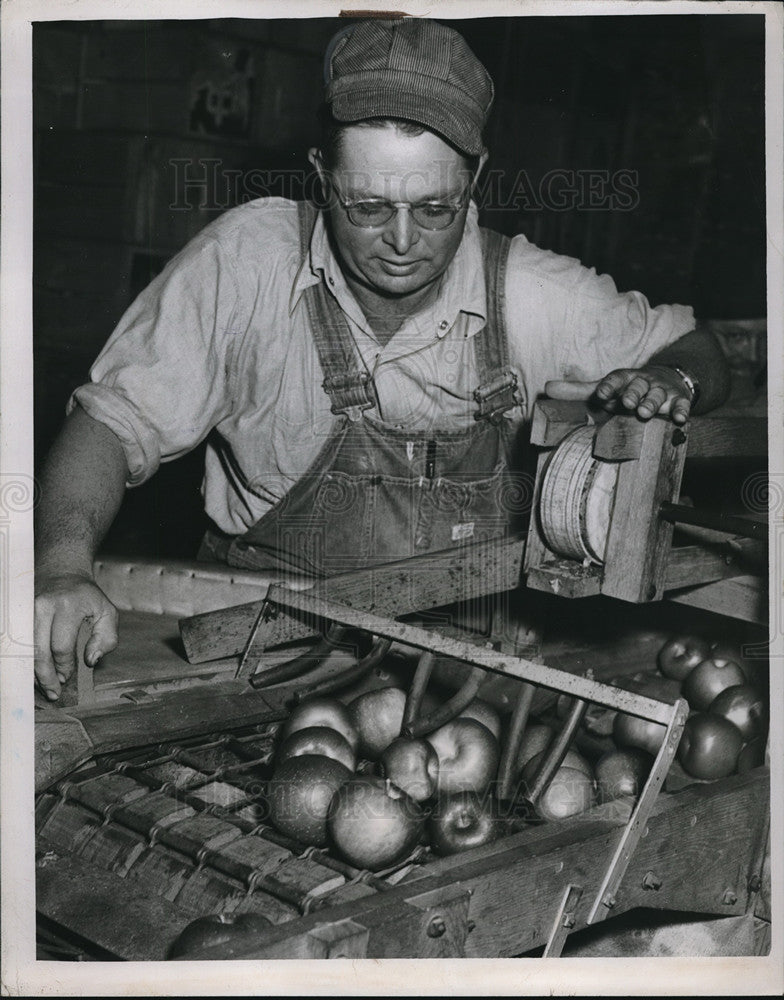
(608, 329)
(161, 382)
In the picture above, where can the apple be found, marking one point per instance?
(709, 746)
(535, 739)
(631, 731)
(463, 820)
(709, 679)
(621, 772)
(319, 740)
(572, 759)
(373, 823)
(754, 667)
(468, 756)
(411, 765)
(681, 654)
(484, 713)
(322, 712)
(299, 793)
(219, 929)
(752, 755)
(744, 706)
(570, 793)
(377, 717)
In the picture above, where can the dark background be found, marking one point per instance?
(146, 130)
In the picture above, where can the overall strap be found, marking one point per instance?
(349, 387)
(498, 389)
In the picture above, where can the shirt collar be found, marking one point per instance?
(462, 289)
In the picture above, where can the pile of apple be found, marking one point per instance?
(727, 724)
(345, 778)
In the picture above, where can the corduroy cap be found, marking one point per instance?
(411, 68)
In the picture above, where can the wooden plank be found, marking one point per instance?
(638, 541)
(620, 439)
(566, 578)
(742, 597)
(395, 588)
(554, 418)
(489, 659)
(181, 714)
(84, 898)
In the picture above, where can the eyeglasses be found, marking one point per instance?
(372, 213)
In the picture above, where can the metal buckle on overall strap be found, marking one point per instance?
(351, 393)
(497, 396)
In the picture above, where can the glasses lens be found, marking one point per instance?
(432, 216)
(370, 213)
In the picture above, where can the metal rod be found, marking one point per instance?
(508, 766)
(730, 523)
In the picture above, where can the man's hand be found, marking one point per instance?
(644, 391)
(63, 603)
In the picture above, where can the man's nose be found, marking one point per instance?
(401, 232)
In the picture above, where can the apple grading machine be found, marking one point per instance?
(150, 779)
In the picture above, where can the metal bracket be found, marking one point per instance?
(564, 921)
(444, 921)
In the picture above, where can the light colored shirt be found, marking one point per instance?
(221, 339)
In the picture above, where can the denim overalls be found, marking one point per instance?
(376, 493)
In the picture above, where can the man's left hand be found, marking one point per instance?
(644, 391)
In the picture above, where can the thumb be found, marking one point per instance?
(103, 638)
(557, 389)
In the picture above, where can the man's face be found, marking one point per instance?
(399, 258)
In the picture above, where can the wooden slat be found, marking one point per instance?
(396, 589)
(536, 673)
(742, 597)
(554, 418)
(638, 542)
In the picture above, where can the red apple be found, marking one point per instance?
(752, 755)
(744, 706)
(299, 793)
(709, 746)
(709, 679)
(572, 759)
(378, 718)
(681, 654)
(484, 713)
(219, 929)
(535, 739)
(463, 820)
(468, 756)
(630, 731)
(411, 765)
(621, 772)
(322, 712)
(569, 793)
(374, 824)
(320, 740)
(754, 667)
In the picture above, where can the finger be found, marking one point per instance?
(45, 673)
(635, 391)
(65, 632)
(652, 402)
(613, 383)
(680, 409)
(559, 389)
(103, 638)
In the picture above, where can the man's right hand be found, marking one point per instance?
(63, 603)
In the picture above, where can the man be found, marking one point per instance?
(367, 368)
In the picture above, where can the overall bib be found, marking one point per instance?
(375, 493)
